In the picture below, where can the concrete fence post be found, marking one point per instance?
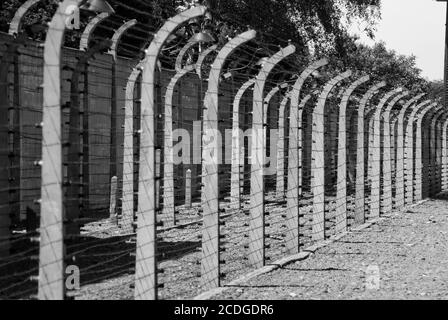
(294, 184)
(341, 193)
(15, 26)
(375, 200)
(409, 153)
(188, 189)
(210, 266)
(169, 210)
(258, 155)
(400, 169)
(146, 264)
(280, 185)
(419, 151)
(360, 207)
(318, 158)
(128, 192)
(387, 159)
(237, 152)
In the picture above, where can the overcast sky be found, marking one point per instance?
(415, 27)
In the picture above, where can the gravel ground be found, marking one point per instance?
(409, 248)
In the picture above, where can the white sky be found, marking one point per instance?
(414, 27)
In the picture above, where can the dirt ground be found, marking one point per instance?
(408, 248)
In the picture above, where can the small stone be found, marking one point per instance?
(293, 295)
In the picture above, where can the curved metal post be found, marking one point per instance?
(434, 151)
(280, 185)
(128, 211)
(409, 153)
(90, 28)
(399, 176)
(15, 27)
(210, 154)
(341, 193)
(116, 38)
(202, 57)
(445, 156)
(387, 159)
(375, 197)
(272, 160)
(294, 185)
(168, 165)
(237, 156)
(146, 263)
(51, 254)
(169, 212)
(115, 116)
(419, 151)
(257, 214)
(360, 211)
(318, 158)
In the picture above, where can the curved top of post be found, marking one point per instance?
(271, 94)
(240, 93)
(274, 91)
(297, 88)
(327, 89)
(228, 49)
(406, 107)
(425, 111)
(441, 112)
(162, 35)
(117, 36)
(16, 23)
(202, 57)
(134, 75)
(90, 28)
(418, 107)
(305, 101)
(384, 100)
(369, 94)
(192, 42)
(270, 64)
(394, 101)
(347, 93)
(285, 100)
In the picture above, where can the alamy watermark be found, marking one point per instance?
(73, 20)
(218, 149)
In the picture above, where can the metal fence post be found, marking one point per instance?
(210, 268)
(419, 152)
(280, 185)
(445, 156)
(360, 210)
(127, 203)
(188, 189)
(375, 197)
(399, 179)
(341, 193)
(51, 254)
(387, 161)
(15, 26)
(146, 263)
(294, 185)
(257, 214)
(318, 158)
(409, 153)
(90, 28)
(169, 210)
(235, 178)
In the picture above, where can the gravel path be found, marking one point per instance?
(408, 248)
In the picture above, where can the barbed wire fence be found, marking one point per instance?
(161, 168)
